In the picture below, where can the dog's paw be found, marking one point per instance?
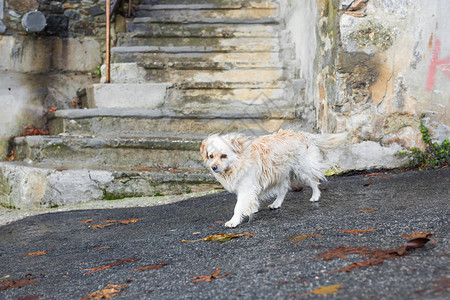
(232, 223)
(274, 206)
(314, 199)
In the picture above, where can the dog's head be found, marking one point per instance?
(220, 151)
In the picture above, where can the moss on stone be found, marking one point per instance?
(373, 34)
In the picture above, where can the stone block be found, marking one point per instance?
(22, 5)
(127, 95)
(2, 27)
(124, 73)
(95, 10)
(40, 55)
(28, 186)
(365, 155)
(23, 186)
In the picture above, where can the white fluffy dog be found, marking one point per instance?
(267, 166)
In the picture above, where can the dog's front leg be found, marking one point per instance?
(246, 204)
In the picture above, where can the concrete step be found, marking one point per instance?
(210, 4)
(112, 152)
(199, 44)
(117, 95)
(197, 60)
(174, 30)
(224, 21)
(223, 99)
(216, 2)
(131, 123)
(24, 185)
(192, 13)
(241, 76)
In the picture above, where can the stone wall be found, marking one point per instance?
(49, 68)
(64, 18)
(378, 69)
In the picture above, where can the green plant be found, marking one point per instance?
(98, 70)
(433, 156)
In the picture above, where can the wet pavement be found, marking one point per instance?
(81, 258)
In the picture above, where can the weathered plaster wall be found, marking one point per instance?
(300, 21)
(377, 74)
(49, 68)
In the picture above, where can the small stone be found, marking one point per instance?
(2, 27)
(84, 12)
(14, 14)
(71, 14)
(95, 10)
(68, 6)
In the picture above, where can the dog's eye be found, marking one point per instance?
(223, 156)
(211, 156)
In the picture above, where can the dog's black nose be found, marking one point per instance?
(214, 167)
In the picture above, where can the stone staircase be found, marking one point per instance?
(184, 69)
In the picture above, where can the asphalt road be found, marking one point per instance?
(265, 266)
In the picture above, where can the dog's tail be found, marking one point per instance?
(329, 141)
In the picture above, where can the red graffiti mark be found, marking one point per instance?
(442, 64)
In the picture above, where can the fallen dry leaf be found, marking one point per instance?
(412, 244)
(302, 237)
(16, 283)
(110, 221)
(360, 264)
(416, 234)
(357, 5)
(30, 297)
(96, 226)
(32, 130)
(112, 264)
(375, 174)
(86, 221)
(126, 222)
(441, 286)
(208, 278)
(52, 109)
(109, 291)
(356, 232)
(221, 237)
(37, 253)
(151, 267)
(100, 248)
(366, 210)
(323, 290)
(123, 222)
(375, 256)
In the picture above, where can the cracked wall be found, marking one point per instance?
(380, 68)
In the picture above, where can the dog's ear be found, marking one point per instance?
(203, 150)
(239, 143)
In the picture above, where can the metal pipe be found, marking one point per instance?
(108, 41)
(129, 8)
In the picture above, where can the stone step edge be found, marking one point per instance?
(204, 6)
(210, 66)
(168, 114)
(29, 186)
(184, 49)
(153, 143)
(190, 31)
(242, 21)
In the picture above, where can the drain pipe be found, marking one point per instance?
(108, 41)
(129, 8)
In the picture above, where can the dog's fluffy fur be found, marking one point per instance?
(267, 166)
